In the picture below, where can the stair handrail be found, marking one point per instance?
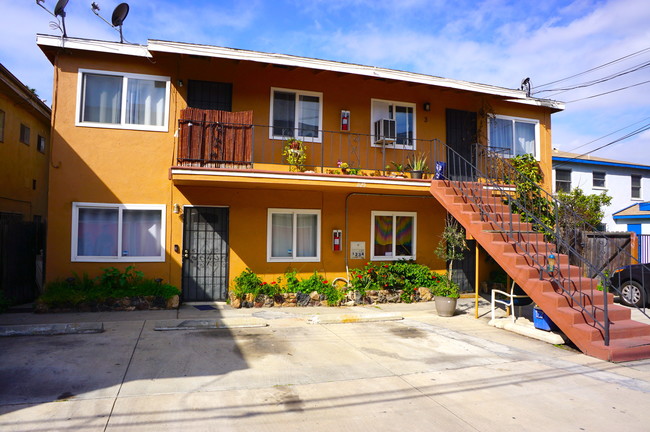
(472, 183)
(596, 272)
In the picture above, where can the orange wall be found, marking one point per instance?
(126, 166)
(21, 164)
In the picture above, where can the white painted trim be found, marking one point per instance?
(74, 257)
(93, 45)
(374, 213)
(515, 96)
(294, 213)
(536, 122)
(361, 181)
(126, 76)
(296, 119)
(398, 103)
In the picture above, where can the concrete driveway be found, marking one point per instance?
(421, 373)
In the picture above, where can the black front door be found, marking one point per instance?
(461, 136)
(205, 253)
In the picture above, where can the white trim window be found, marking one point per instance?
(563, 180)
(402, 113)
(393, 235)
(514, 136)
(293, 235)
(598, 179)
(118, 232)
(635, 183)
(122, 100)
(296, 114)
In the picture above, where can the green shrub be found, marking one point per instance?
(5, 302)
(112, 283)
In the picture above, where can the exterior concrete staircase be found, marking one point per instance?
(586, 315)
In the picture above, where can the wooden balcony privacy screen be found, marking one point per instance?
(215, 139)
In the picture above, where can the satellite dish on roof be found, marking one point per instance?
(118, 17)
(59, 11)
(119, 14)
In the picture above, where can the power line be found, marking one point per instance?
(600, 80)
(629, 135)
(597, 67)
(606, 93)
(609, 134)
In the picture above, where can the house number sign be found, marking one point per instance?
(358, 250)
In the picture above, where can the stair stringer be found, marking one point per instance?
(628, 339)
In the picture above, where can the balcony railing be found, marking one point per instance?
(215, 144)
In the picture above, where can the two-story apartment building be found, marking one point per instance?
(627, 183)
(24, 150)
(24, 163)
(170, 155)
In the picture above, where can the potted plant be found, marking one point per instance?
(294, 154)
(452, 247)
(417, 164)
(398, 167)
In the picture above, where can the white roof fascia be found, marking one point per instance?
(93, 45)
(516, 96)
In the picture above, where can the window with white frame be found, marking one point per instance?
(296, 114)
(563, 180)
(514, 136)
(118, 232)
(635, 192)
(122, 100)
(402, 113)
(598, 181)
(393, 235)
(293, 235)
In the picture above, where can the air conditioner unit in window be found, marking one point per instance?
(385, 131)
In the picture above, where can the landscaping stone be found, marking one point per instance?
(113, 304)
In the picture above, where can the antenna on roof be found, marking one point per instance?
(526, 86)
(59, 11)
(118, 17)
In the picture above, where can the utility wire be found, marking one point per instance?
(600, 80)
(597, 67)
(609, 134)
(629, 135)
(606, 93)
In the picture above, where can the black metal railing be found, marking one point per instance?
(526, 216)
(247, 146)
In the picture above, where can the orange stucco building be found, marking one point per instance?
(194, 196)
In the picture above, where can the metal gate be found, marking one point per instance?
(464, 271)
(205, 254)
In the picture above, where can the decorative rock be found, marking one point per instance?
(302, 299)
(235, 302)
(425, 294)
(314, 295)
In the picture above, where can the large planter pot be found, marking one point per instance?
(445, 306)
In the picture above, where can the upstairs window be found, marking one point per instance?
(296, 114)
(563, 180)
(598, 180)
(514, 136)
(127, 101)
(24, 134)
(402, 114)
(40, 144)
(635, 192)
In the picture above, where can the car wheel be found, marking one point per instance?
(632, 294)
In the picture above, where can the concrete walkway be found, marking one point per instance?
(294, 373)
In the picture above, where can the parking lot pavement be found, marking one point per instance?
(419, 373)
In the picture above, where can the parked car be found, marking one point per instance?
(633, 284)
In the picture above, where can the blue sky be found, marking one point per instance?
(497, 42)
